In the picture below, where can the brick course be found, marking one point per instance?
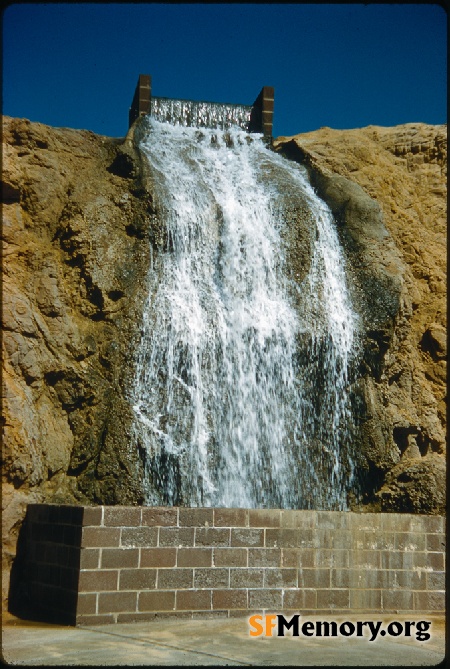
(95, 565)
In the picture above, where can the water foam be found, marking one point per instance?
(200, 114)
(241, 393)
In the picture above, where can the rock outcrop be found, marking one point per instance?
(378, 181)
(79, 223)
(76, 252)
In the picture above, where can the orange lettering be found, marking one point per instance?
(270, 624)
(257, 627)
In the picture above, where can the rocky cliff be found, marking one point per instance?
(79, 223)
(387, 190)
(76, 253)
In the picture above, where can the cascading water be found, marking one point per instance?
(240, 394)
(200, 114)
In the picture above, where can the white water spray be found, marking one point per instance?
(200, 114)
(242, 373)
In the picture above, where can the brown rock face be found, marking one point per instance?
(78, 225)
(75, 222)
(393, 180)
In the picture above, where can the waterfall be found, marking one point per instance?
(200, 114)
(241, 388)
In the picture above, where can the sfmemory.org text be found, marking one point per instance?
(279, 625)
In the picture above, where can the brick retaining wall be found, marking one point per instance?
(93, 565)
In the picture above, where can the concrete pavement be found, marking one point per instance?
(219, 642)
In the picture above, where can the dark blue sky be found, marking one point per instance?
(343, 66)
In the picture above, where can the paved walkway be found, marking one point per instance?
(219, 642)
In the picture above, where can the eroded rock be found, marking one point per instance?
(73, 289)
(415, 485)
(387, 190)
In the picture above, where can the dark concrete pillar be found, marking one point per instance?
(141, 100)
(261, 117)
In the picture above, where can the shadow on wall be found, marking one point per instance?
(45, 572)
(115, 564)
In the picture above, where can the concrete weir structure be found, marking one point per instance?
(86, 565)
(260, 112)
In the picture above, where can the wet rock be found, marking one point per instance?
(125, 163)
(386, 188)
(415, 486)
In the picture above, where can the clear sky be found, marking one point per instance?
(338, 65)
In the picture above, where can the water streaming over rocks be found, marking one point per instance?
(241, 394)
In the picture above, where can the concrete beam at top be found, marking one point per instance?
(261, 118)
(268, 95)
(141, 100)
